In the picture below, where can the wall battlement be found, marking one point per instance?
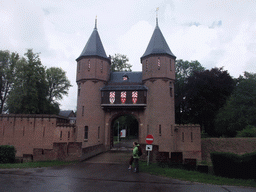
(26, 132)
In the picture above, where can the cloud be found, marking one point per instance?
(22, 26)
(216, 33)
(134, 43)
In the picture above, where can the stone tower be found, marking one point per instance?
(158, 75)
(93, 70)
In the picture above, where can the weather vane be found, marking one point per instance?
(157, 15)
(96, 22)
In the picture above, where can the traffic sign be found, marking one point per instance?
(149, 147)
(149, 139)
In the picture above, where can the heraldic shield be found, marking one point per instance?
(112, 97)
(134, 97)
(123, 97)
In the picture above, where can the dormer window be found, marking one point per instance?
(125, 78)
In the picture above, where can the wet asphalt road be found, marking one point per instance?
(105, 172)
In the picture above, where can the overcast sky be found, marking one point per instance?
(215, 32)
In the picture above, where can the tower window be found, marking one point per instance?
(79, 89)
(182, 136)
(44, 132)
(101, 67)
(60, 135)
(191, 136)
(89, 65)
(170, 64)
(160, 130)
(68, 135)
(99, 132)
(170, 89)
(158, 63)
(83, 111)
(86, 133)
(146, 65)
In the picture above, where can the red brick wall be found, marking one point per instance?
(189, 144)
(29, 132)
(92, 151)
(232, 145)
(61, 151)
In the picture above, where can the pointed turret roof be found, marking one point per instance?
(157, 44)
(94, 46)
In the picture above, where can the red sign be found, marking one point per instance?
(149, 139)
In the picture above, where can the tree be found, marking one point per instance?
(36, 89)
(206, 92)
(183, 70)
(120, 63)
(7, 73)
(30, 88)
(249, 131)
(240, 109)
(57, 83)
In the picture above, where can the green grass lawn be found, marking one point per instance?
(35, 164)
(193, 176)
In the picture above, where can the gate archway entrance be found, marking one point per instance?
(129, 119)
(124, 130)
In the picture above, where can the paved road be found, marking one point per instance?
(105, 172)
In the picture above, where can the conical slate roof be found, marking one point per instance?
(157, 44)
(94, 46)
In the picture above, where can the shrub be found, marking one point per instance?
(249, 131)
(7, 154)
(234, 166)
(248, 165)
(225, 164)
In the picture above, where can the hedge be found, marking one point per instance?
(7, 154)
(234, 166)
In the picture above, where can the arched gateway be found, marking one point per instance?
(148, 96)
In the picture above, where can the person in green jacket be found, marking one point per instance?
(136, 156)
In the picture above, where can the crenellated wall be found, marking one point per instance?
(27, 132)
(187, 139)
